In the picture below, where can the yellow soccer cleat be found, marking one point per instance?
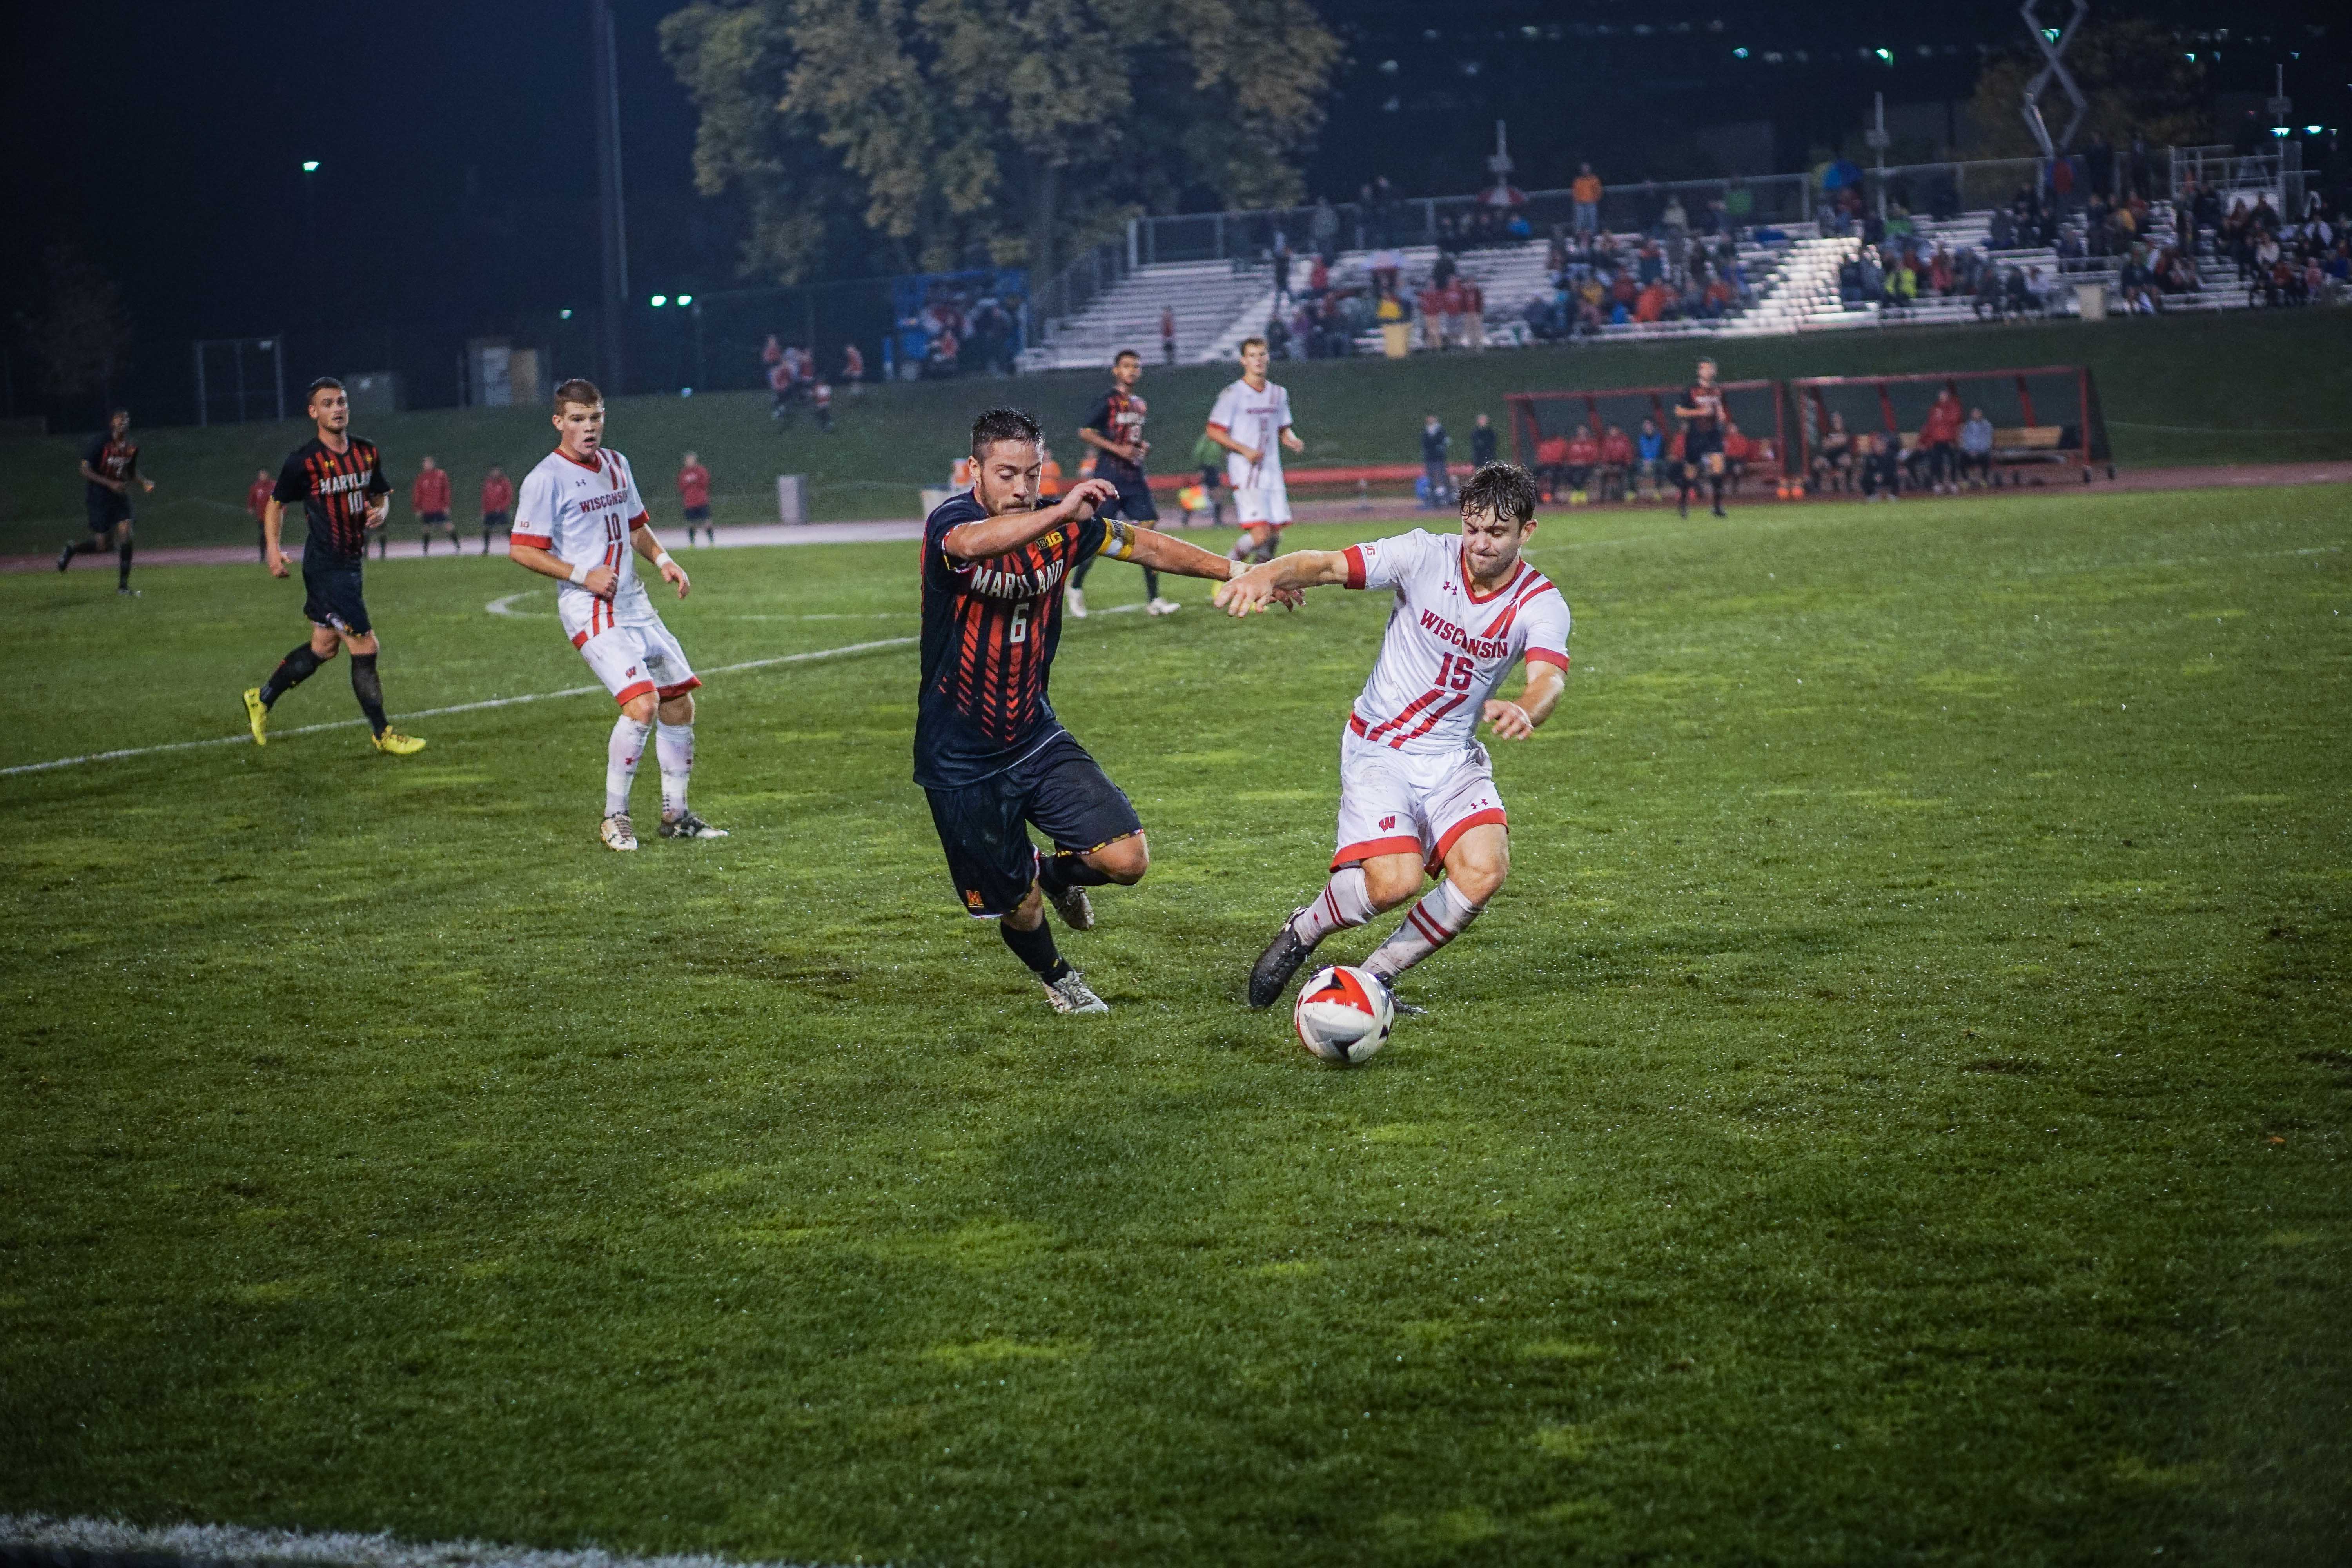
(398, 744)
(257, 713)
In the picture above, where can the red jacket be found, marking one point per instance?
(431, 492)
(1582, 450)
(257, 498)
(497, 494)
(1616, 447)
(694, 486)
(1942, 426)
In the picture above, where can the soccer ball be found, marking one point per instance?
(1343, 1015)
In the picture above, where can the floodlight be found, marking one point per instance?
(660, 300)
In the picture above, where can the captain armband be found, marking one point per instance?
(1118, 540)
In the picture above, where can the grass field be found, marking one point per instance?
(2246, 386)
(1896, 1113)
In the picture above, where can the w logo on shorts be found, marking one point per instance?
(1387, 823)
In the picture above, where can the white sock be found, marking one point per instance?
(1442, 915)
(1343, 904)
(621, 754)
(674, 749)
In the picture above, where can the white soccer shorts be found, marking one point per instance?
(631, 660)
(1394, 802)
(1256, 504)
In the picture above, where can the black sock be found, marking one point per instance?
(122, 565)
(1068, 870)
(368, 689)
(1150, 583)
(1078, 572)
(292, 671)
(1718, 485)
(1035, 947)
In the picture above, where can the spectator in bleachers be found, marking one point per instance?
(1323, 228)
(1650, 456)
(1583, 456)
(1474, 314)
(1833, 461)
(1454, 304)
(1386, 267)
(1616, 464)
(1976, 450)
(1431, 302)
(1586, 194)
(1650, 305)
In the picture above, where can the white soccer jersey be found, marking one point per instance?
(1254, 418)
(1447, 646)
(583, 511)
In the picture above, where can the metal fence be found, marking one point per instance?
(1078, 285)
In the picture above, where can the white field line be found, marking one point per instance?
(247, 740)
(235, 1543)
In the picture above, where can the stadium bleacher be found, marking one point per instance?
(1791, 274)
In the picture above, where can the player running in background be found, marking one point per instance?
(988, 753)
(1115, 431)
(339, 480)
(256, 501)
(694, 498)
(1416, 789)
(1701, 412)
(582, 521)
(498, 504)
(1250, 421)
(429, 497)
(109, 466)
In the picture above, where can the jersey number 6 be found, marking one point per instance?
(1019, 631)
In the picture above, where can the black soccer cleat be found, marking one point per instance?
(65, 554)
(1078, 911)
(1277, 963)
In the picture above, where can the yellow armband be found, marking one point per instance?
(1118, 540)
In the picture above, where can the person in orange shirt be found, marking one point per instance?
(1939, 434)
(1586, 192)
(1737, 450)
(256, 501)
(1616, 464)
(1551, 463)
(1650, 305)
(1584, 456)
(694, 498)
(498, 504)
(1049, 477)
(430, 497)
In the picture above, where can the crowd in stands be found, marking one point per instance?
(1670, 274)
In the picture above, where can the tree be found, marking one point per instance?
(2137, 78)
(81, 333)
(1008, 130)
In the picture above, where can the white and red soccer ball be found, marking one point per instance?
(1343, 1015)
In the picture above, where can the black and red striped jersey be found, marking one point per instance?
(1707, 398)
(117, 459)
(989, 628)
(334, 488)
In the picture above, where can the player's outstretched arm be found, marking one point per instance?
(994, 536)
(1282, 578)
(1516, 721)
(642, 541)
(1164, 552)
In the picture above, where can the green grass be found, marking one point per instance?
(2247, 386)
(1896, 1112)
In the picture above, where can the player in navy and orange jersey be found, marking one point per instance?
(1701, 412)
(109, 466)
(1115, 431)
(989, 752)
(339, 480)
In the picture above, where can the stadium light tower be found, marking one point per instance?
(610, 215)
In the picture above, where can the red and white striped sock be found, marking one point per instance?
(1442, 915)
(1343, 904)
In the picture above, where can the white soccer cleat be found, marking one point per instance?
(1162, 607)
(1071, 994)
(618, 832)
(1076, 600)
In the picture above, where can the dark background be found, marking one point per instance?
(456, 192)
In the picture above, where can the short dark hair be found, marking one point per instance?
(1003, 425)
(579, 390)
(320, 386)
(1125, 354)
(1505, 489)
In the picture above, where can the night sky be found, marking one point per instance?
(457, 149)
